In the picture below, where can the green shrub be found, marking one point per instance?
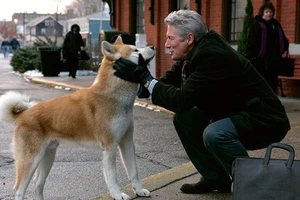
(248, 20)
(26, 59)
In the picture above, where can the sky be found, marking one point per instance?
(29, 6)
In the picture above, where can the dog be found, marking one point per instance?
(100, 115)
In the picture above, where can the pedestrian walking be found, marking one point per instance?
(223, 106)
(5, 47)
(15, 45)
(73, 44)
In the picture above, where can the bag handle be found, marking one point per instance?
(281, 146)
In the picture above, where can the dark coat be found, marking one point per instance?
(5, 43)
(224, 84)
(14, 44)
(269, 60)
(72, 43)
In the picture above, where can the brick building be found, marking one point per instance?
(223, 16)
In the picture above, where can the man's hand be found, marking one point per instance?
(132, 72)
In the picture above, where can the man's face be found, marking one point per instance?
(178, 49)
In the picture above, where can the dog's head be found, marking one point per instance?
(113, 52)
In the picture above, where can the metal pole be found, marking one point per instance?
(23, 27)
(101, 17)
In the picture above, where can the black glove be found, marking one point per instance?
(132, 72)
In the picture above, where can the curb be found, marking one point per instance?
(52, 83)
(158, 181)
(147, 104)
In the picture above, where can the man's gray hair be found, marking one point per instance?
(185, 22)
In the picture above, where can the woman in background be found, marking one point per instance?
(73, 43)
(266, 44)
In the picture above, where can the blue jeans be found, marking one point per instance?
(13, 50)
(5, 50)
(211, 147)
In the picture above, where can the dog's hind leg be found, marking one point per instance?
(110, 174)
(25, 168)
(44, 168)
(127, 151)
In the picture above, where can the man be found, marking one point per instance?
(5, 47)
(223, 106)
(15, 45)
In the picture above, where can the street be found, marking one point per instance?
(77, 171)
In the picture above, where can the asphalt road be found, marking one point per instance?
(77, 172)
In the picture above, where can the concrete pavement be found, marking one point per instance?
(166, 185)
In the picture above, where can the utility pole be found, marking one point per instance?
(101, 16)
(56, 21)
(23, 27)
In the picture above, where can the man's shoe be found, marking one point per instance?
(204, 187)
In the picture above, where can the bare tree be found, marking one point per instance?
(86, 7)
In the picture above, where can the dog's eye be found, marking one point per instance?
(136, 50)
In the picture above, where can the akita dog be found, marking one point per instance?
(100, 115)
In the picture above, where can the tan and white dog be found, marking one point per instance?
(100, 115)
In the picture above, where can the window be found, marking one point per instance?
(140, 27)
(49, 22)
(84, 26)
(236, 19)
(183, 4)
(43, 31)
(32, 31)
(179, 4)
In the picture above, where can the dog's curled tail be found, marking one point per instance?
(13, 103)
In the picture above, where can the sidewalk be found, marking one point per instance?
(166, 185)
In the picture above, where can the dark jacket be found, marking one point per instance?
(5, 43)
(224, 84)
(72, 43)
(266, 43)
(14, 44)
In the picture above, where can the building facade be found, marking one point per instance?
(90, 27)
(44, 26)
(224, 16)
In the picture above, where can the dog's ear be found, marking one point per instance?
(119, 40)
(107, 49)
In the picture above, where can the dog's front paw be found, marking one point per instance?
(121, 196)
(143, 193)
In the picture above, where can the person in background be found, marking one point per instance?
(266, 44)
(72, 45)
(15, 45)
(223, 106)
(5, 47)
